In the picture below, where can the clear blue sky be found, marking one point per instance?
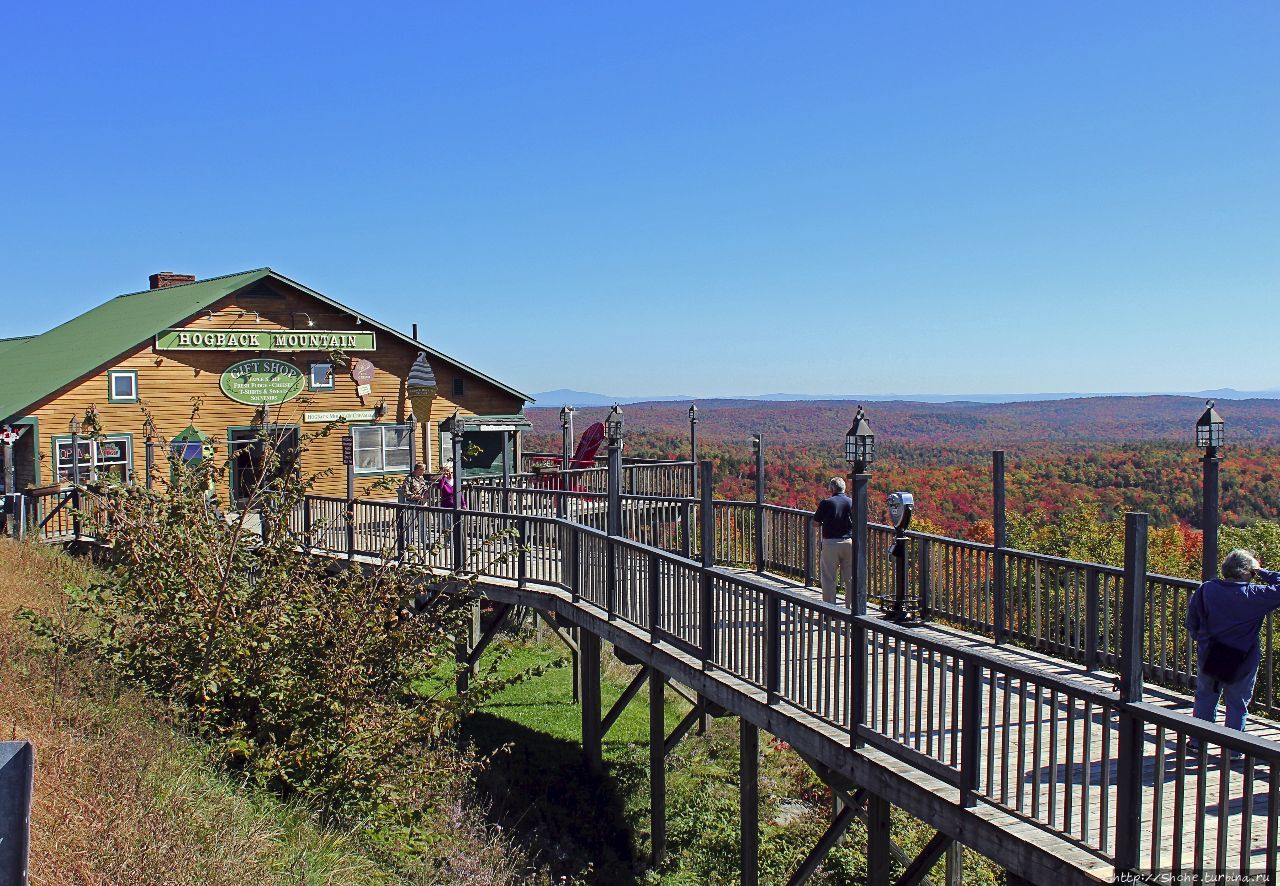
(704, 198)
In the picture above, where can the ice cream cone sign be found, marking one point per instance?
(362, 374)
(422, 387)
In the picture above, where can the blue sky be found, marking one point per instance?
(702, 198)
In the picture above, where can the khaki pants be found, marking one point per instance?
(837, 559)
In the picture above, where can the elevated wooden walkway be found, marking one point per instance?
(1033, 761)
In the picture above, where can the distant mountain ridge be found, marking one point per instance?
(1109, 420)
(571, 397)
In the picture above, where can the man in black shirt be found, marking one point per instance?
(835, 518)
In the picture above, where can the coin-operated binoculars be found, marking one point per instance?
(901, 507)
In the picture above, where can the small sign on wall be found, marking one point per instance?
(362, 374)
(350, 415)
(348, 451)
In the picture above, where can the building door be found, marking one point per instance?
(249, 449)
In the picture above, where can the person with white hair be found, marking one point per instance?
(834, 517)
(1224, 617)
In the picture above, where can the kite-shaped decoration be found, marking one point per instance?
(422, 387)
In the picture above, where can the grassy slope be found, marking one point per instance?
(120, 795)
(598, 828)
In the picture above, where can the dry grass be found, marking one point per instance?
(120, 797)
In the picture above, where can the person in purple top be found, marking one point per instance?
(1224, 617)
(445, 485)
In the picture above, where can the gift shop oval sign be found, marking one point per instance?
(262, 382)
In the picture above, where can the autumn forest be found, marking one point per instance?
(1073, 467)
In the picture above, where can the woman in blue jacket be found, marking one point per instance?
(1224, 617)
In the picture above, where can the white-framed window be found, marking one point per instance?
(110, 455)
(321, 377)
(122, 386)
(382, 449)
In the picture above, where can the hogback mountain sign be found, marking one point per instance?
(263, 382)
(263, 340)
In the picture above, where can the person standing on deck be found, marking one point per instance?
(415, 490)
(834, 517)
(1224, 617)
(445, 485)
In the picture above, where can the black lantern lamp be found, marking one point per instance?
(1209, 428)
(566, 416)
(693, 413)
(74, 426)
(613, 425)
(860, 443)
(1209, 436)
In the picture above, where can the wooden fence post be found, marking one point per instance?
(17, 773)
(1129, 754)
(1001, 541)
(858, 600)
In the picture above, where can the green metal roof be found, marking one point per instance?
(6, 343)
(31, 368)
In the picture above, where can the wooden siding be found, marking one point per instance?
(171, 383)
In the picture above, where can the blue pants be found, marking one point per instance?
(1235, 695)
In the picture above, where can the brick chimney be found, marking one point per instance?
(169, 278)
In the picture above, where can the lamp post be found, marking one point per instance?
(149, 431)
(613, 427)
(566, 441)
(1209, 436)
(859, 452)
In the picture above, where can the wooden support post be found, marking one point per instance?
(1092, 597)
(920, 866)
(858, 652)
(999, 615)
(681, 730)
(759, 512)
(970, 726)
(655, 596)
(589, 664)
(17, 775)
(924, 569)
(623, 700)
(773, 646)
(877, 841)
(808, 554)
(707, 515)
(955, 865)
(455, 517)
(840, 791)
(686, 530)
(477, 650)
(749, 795)
(830, 837)
(1129, 751)
(657, 767)
(469, 639)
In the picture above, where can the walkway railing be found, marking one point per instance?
(1123, 780)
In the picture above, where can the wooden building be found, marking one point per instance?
(222, 359)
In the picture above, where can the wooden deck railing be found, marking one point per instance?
(1144, 787)
(1039, 746)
